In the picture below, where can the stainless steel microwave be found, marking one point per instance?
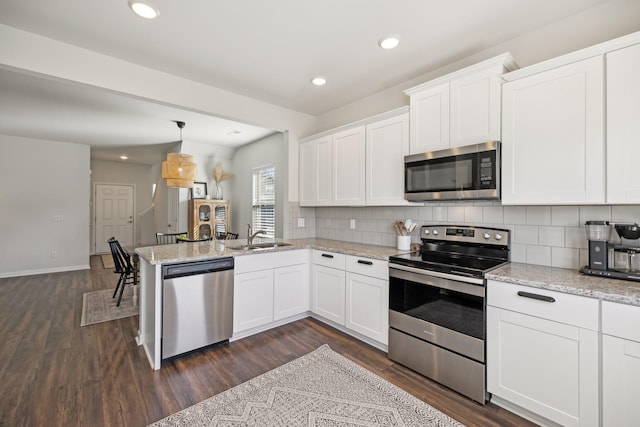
(471, 172)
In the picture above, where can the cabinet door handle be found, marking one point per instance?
(327, 256)
(361, 261)
(536, 296)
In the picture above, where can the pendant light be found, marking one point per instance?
(179, 169)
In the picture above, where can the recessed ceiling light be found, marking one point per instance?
(124, 157)
(319, 81)
(144, 9)
(389, 42)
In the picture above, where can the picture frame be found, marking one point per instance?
(199, 190)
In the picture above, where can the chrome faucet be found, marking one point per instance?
(250, 236)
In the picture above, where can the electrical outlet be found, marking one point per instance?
(352, 224)
(54, 254)
(300, 222)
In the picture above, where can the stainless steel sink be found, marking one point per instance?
(258, 246)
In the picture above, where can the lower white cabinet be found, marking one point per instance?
(269, 287)
(367, 298)
(252, 300)
(542, 352)
(620, 365)
(353, 292)
(328, 286)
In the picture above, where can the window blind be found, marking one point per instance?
(264, 200)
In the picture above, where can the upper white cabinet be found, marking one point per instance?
(360, 164)
(623, 125)
(458, 109)
(386, 145)
(553, 136)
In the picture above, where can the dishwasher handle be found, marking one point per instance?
(171, 271)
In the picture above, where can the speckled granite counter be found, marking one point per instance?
(185, 252)
(568, 281)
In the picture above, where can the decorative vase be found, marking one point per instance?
(217, 191)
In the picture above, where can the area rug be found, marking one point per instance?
(107, 261)
(321, 389)
(99, 307)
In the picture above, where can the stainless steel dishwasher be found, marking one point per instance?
(197, 305)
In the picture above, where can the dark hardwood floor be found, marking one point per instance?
(55, 373)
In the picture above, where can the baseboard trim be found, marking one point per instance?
(44, 271)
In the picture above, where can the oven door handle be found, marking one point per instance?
(473, 280)
(436, 280)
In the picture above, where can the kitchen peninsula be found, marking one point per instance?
(250, 263)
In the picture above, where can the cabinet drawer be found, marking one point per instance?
(367, 267)
(557, 306)
(265, 261)
(329, 259)
(621, 320)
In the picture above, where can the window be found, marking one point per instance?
(264, 200)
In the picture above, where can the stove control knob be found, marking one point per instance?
(498, 236)
(486, 236)
(435, 232)
(426, 232)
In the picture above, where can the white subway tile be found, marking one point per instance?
(575, 237)
(518, 252)
(568, 216)
(551, 236)
(629, 213)
(594, 213)
(538, 215)
(492, 215)
(514, 215)
(539, 255)
(473, 214)
(455, 214)
(439, 214)
(526, 234)
(565, 258)
(425, 213)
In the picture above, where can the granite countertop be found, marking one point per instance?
(568, 281)
(185, 252)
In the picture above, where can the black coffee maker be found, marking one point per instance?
(598, 233)
(619, 261)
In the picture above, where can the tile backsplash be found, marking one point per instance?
(542, 235)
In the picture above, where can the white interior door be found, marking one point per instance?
(114, 215)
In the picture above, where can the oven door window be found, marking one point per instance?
(456, 173)
(453, 310)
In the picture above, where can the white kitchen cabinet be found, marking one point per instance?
(290, 291)
(430, 119)
(623, 125)
(542, 356)
(348, 181)
(620, 365)
(458, 109)
(387, 142)
(328, 286)
(553, 147)
(367, 298)
(253, 300)
(269, 287)
(358, 164)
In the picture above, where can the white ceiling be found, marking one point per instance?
(267, 50)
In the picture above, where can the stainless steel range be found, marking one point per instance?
(437, 304)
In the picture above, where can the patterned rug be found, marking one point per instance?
(99, 307)
(322, 388)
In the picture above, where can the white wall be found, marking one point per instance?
(107, 172)
(41, 179)
(270, 150)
